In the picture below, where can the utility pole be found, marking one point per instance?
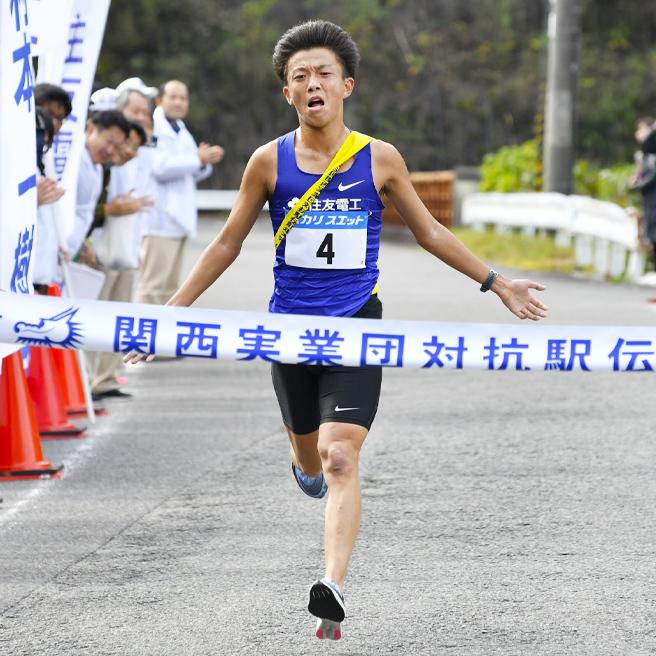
(564, 31)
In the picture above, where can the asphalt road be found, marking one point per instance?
(504, 512)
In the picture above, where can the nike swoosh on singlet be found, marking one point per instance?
(343, 187)
(338, 409)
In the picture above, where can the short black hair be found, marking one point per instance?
(645, 120)
(45, 92)
(45, 124)
(316, 34)
(135, 127)
(111, 118)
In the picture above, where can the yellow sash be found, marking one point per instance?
(352, 144)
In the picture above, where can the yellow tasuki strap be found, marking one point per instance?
(352, 144)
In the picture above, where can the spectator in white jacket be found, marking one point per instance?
(114, 242)
(118, 235)
(105, 133)
(178, 163)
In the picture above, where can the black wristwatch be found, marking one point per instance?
(489, 281)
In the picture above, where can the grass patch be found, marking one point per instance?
(518, 251)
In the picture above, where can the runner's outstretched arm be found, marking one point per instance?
(225, 248)
(223, 251)
(438, 240)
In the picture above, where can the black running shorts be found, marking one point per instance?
(310, 395)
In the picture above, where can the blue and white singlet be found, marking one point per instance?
(327, 264)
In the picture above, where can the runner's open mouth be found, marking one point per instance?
(315, 102)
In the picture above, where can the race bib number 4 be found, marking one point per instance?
(328, 241)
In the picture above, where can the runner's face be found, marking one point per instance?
(316, 86)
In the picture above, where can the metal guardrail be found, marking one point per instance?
(605, 235)
(217, 200)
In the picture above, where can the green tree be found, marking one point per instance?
(445, 81)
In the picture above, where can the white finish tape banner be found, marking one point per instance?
(249, 336)
(18, 151)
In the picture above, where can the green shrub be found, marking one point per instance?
(611, 184)
(512, 168)
(519, 168)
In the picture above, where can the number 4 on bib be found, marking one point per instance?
(328, 241)
(326, 249)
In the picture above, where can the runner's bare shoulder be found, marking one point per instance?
(387, 163)
(262, 166)
(384, 153)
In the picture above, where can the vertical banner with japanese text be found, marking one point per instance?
(71, 64)
(18, 172)
(49, 19)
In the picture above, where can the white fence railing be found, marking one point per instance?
(217, 200)
(214, 200)
(605, 235)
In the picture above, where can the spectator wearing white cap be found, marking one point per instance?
(130, 184)
(103, 100)
(178, 163)
(117, 241)
(137, 84)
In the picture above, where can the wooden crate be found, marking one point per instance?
(435, 188)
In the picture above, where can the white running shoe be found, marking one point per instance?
(327, 603)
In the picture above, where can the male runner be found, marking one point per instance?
(320, 270)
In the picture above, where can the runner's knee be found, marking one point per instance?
(339, 458)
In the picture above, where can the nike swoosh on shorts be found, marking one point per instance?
(338, 409)
(343, 187)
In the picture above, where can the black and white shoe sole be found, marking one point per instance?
(325, 603)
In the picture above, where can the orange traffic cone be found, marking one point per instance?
(70, 378)
(20, 448)
(48, 401)
(54, 289)
(70, 382)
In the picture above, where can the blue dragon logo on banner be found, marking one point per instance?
(59, 330)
